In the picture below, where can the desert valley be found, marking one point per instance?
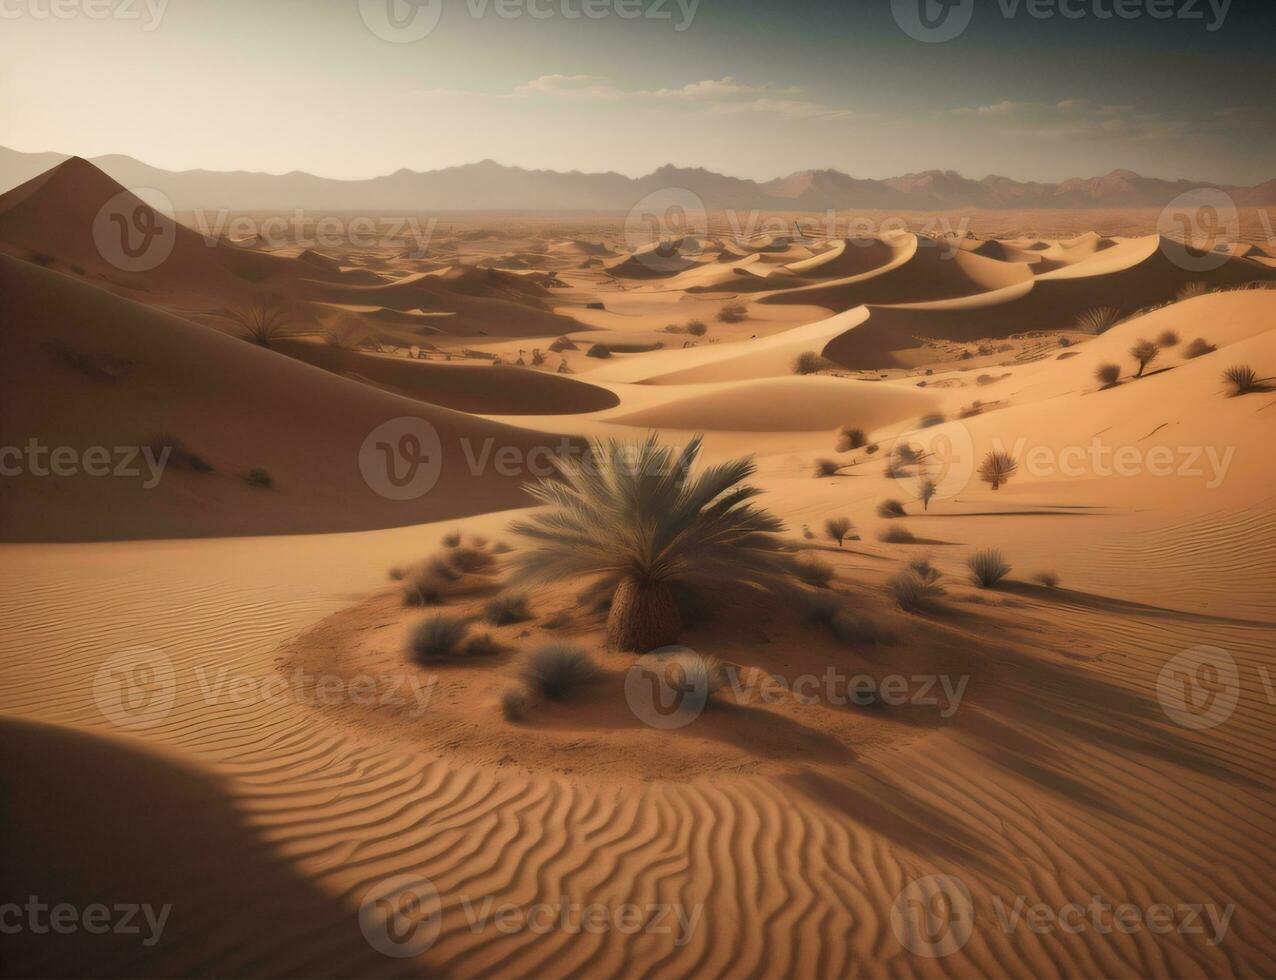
(813, 577)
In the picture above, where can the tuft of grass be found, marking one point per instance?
(997, 468)
(733, 313)
(696, 328)
(1199, 347)
(1167, 338)
(700, 674)
(1244, 380)
(897, 534)
(514, 705)
(848, 439)
(468, 560)
(438, 639)
(913, 593)
(890, 509)
(825, 468)
(987, 567)
(506, 608)
(1098, 320)
(423, 588)
(558, 672)
(1048, 579)
(264, 320)
(809, 362)
(924, 570)
(1191, 290)
(813, 570)
(837, 528)
(1107, 374)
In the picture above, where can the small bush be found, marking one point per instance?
(848, 439)
(926, 489)
(506, 608)
(1048, 579)
(423, 588)
(452, 539)
(1244, 380)
(871, 448)
(926, 421)
(825, 468)
(599, 351)
(890, 509)
(987, 567)
(697, 328)
(997, 468)
(733, 313)
(1145, 352)
(1198, 348)
(514, 704)
(467, 560)
(398, 574)
(692, 673)
(1167, 338)
(837, 528)
(557, 672)
(1107, 374)
(914, 594)
(897, 534)
(813, 570)
(924, 570)
(809, 362)
(1098, 320)
(437, 639)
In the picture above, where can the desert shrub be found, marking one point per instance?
(820, 608)
(1191, 290)
(692, 673)
(733, 313)
(514, 705)
(1244, 380)
(848, 439)
(926, 489)
(506, 608)
(924, 570)
(264, 320)
(987, 567)
(696, 328)
(637, 520)
(1167, 338)
(257, 477)
(563, 343)
(1098, 320)
(1048, 579)
(557, 672)
(898, 534)
(997, 468)
(537, 358)
(1145, 352)
(397, 573)
(809, 362)
(871, 448)
(926, 421)
(813, 570)
(452, 539)
(1107, 374)
(468, 560)
(890, 509)
(438, 638)
(837, 528)
(600, 351)
(825, 468)
(913, 593)
(1198, 348)
(481, 646)
(423, 588)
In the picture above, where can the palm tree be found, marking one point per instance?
(997, 468)
(634, 517)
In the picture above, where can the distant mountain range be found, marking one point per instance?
(490, 186)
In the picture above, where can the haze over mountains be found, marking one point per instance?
(488, 185)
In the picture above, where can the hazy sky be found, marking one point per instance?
(753, 88)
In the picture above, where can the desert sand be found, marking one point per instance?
(785, 829)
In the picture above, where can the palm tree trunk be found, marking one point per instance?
(642, 617)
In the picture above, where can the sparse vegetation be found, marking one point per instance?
(452, 539)
(514, 704)
(825, 468)
(1107, 374)
(926, 421)
(809, 362)
(813, 570)
(733, 313)
(898, 534)
(1097, 320)
(997, 468)
(924, 570)
(890, 509)
(600, 351)
(506, 608)
(1167, 339)
(265, 320)
(1198, 348)
(848, 439)
(837, 528)
(1145, 352)
(913, 593)
(442, 638)
(1244, 380)
(557, 672)
(697, 328)
(1049, 579)
(925, 491)
(987, 567)
(1191, 290)
(634, 518)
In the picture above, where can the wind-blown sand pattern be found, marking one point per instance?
(764, 839)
